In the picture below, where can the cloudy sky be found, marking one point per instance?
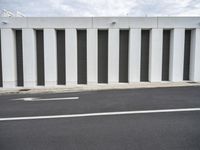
(103, 7)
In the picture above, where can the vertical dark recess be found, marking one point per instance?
(144, 56)
(1, 79)
(165, 55)
(19, 54)
(82, 56)
(102, 56)
(187, 55)
(40, 56)
(61, 56)
(123, 56)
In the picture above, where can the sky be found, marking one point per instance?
(60, 8)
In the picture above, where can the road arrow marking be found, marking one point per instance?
(31, 99)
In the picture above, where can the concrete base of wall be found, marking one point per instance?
(95, 87)
(9, 84)
(51, 83)
(29, 84)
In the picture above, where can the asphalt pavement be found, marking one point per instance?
(176, 130)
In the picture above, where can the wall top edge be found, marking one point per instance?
(109, 17)
(100, 22)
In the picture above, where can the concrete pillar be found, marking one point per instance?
(134, 55)
(195, 56)
(29, 57)
(71, 56)
(176, 55)
(50, 57)
(9, 66)
(113, 56)
(155, 55)
(92, 53)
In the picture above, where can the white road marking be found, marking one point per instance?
(102, 114)
(45, 99)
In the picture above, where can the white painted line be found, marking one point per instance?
(30, 99)
(102, 114)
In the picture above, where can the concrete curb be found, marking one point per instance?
(95, 87)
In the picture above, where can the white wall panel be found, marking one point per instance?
(50, 57)
(195, 56)
(176, 55)
(155, 55)
(29, 57)
(134, 55)
(113, 56)
(9, 63)
(92, 55)
(71, 56)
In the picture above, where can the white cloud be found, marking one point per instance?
(103, 7)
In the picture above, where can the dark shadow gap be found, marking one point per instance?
(144, 74)
(82, 56)
(102, 56)
(40, 57)
(166, 55)
(186, 69)
(123, 55)
(60, 57)
(1, 79)
(19, 54)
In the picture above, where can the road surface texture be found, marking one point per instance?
(144, 119)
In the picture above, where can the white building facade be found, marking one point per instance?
(92, 50)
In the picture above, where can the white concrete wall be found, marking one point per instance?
(155, 55)
(29, 57)
(92, 56)
(71, 56)
(113, 56)
(8, 50)
(134, 55)
(195, 56)
(156, 25)
(50, 57)
(176, 55)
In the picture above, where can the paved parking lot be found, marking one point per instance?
(139, 119)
